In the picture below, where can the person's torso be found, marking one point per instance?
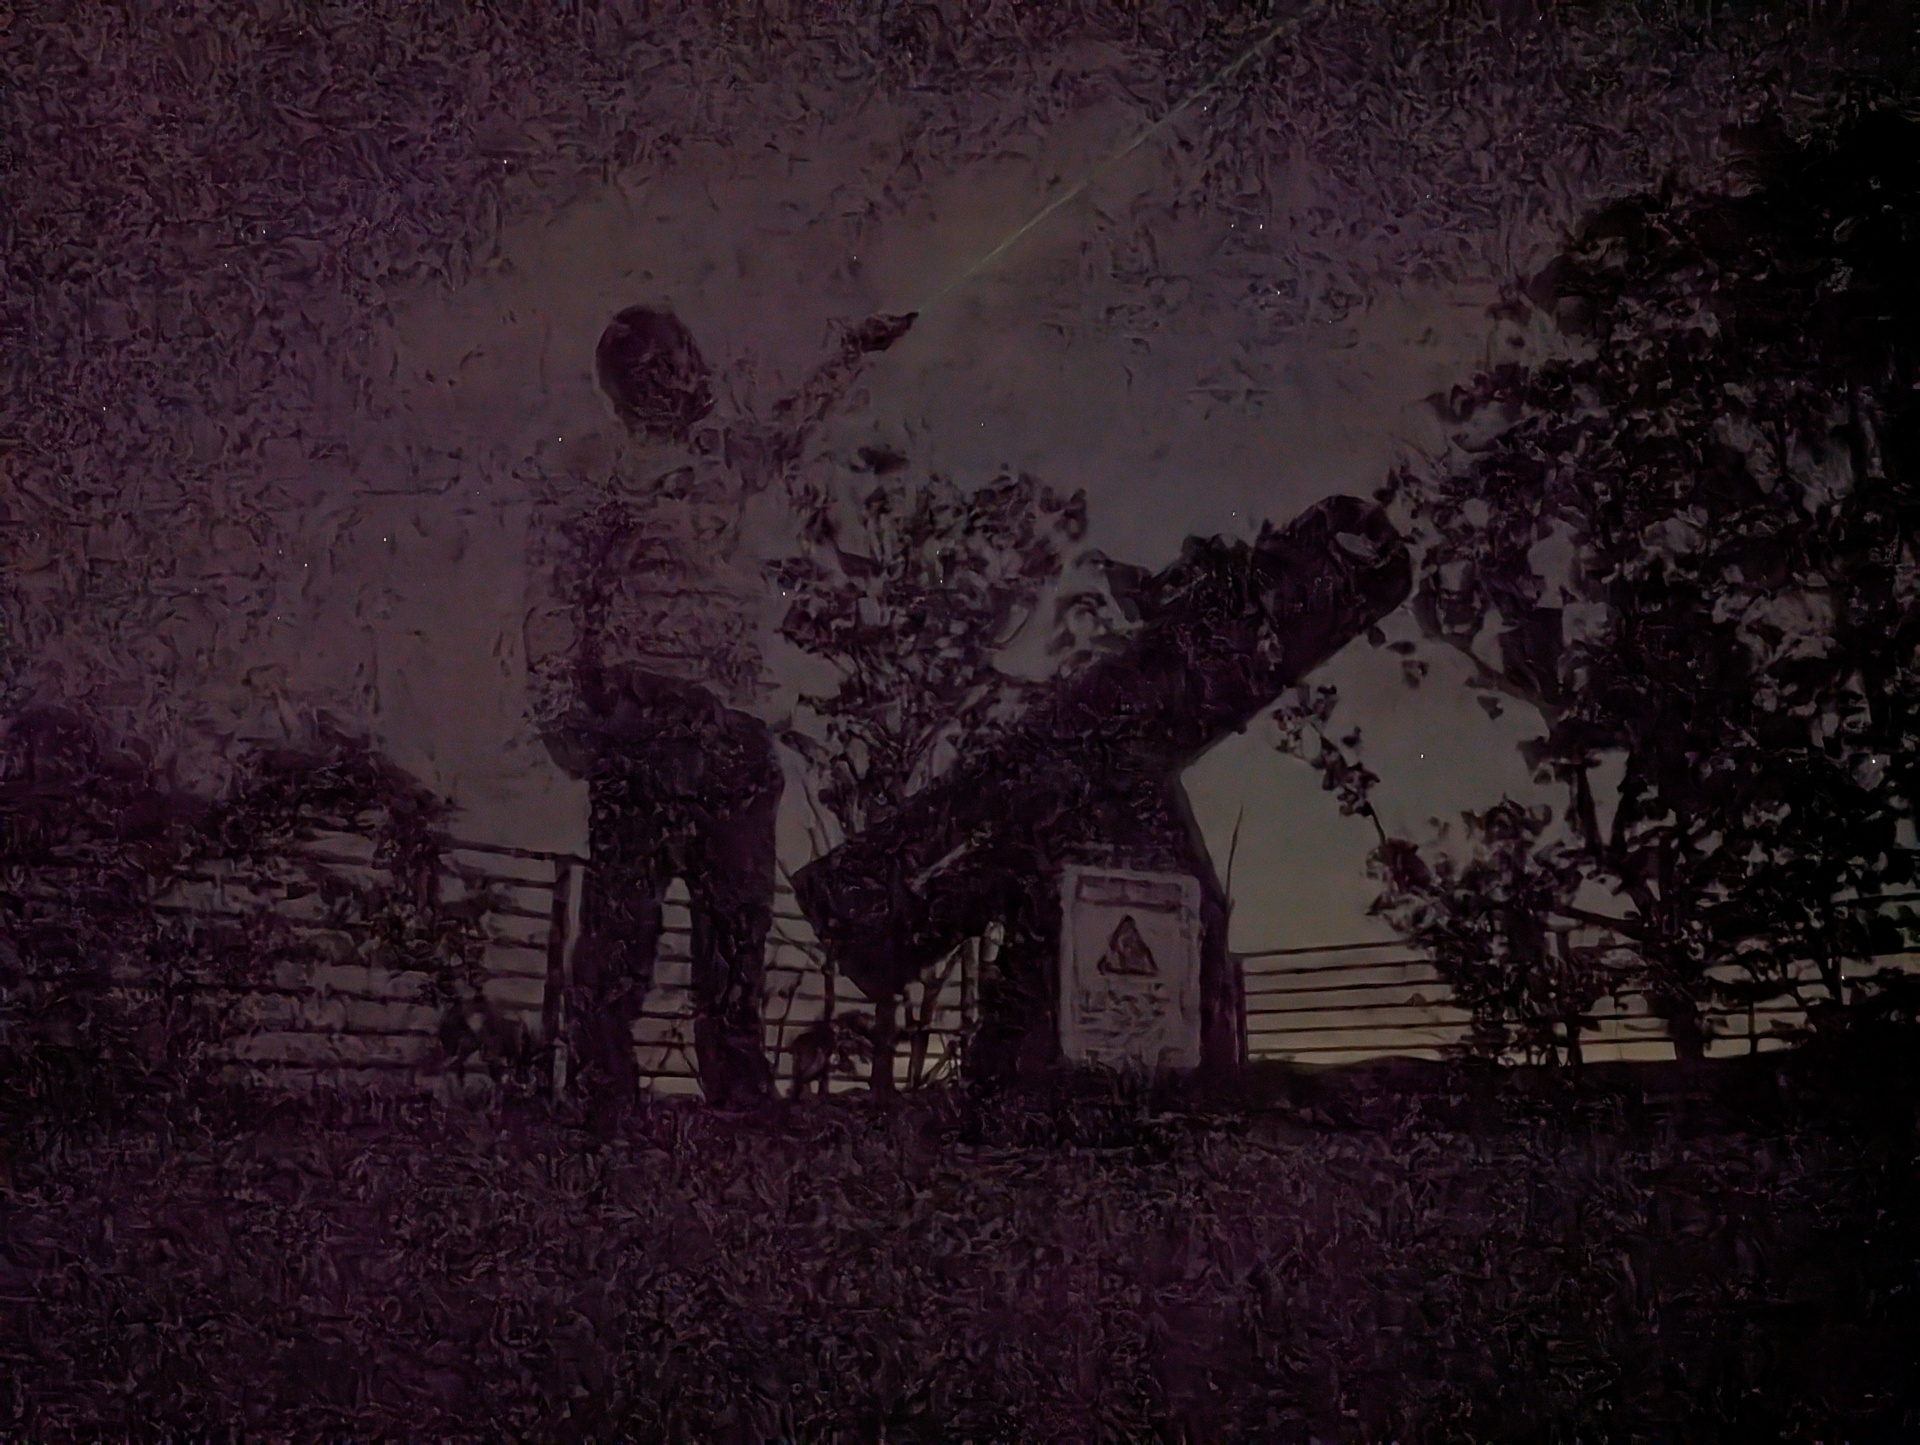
(646, 566)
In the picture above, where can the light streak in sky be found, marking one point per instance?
(1220, 78)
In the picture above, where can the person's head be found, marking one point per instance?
(653, 373)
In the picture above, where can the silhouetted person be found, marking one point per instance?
(647, 672)
(681, 787)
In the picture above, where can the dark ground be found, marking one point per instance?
(1431, 1255)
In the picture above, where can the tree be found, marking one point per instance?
(120, 980)
(910, 599)
(1301, 720)
(1694, 547)
(911, 610)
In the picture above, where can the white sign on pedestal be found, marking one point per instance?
(1130, 969)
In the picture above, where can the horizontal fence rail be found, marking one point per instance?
(1345, 1002)
(332, 1012)
(1350, 1002)
(803, 996)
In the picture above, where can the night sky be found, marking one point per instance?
(1243, 313)
(1185, 401)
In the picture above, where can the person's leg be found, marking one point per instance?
(730, 881)
(613, 961)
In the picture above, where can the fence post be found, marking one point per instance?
(969, 981)
(1237, 969)
(826, 1014)
(553, 1010)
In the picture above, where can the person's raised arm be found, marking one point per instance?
(795, 416)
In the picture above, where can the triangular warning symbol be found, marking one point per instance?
(1127, 951)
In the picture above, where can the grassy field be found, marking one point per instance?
(1370, 1257)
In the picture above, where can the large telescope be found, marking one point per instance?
(1090, 776)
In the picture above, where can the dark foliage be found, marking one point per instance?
(123, 982)
(1301, 720)
(912, 605)
(1694, 547)
(83, 833)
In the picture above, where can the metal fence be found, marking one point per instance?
(1349, 1002)
(1317, 1005)
(804, 1000)
(340, 1017)
(345, 1017)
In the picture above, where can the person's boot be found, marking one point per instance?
(608, 1078)
(734, 1072)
